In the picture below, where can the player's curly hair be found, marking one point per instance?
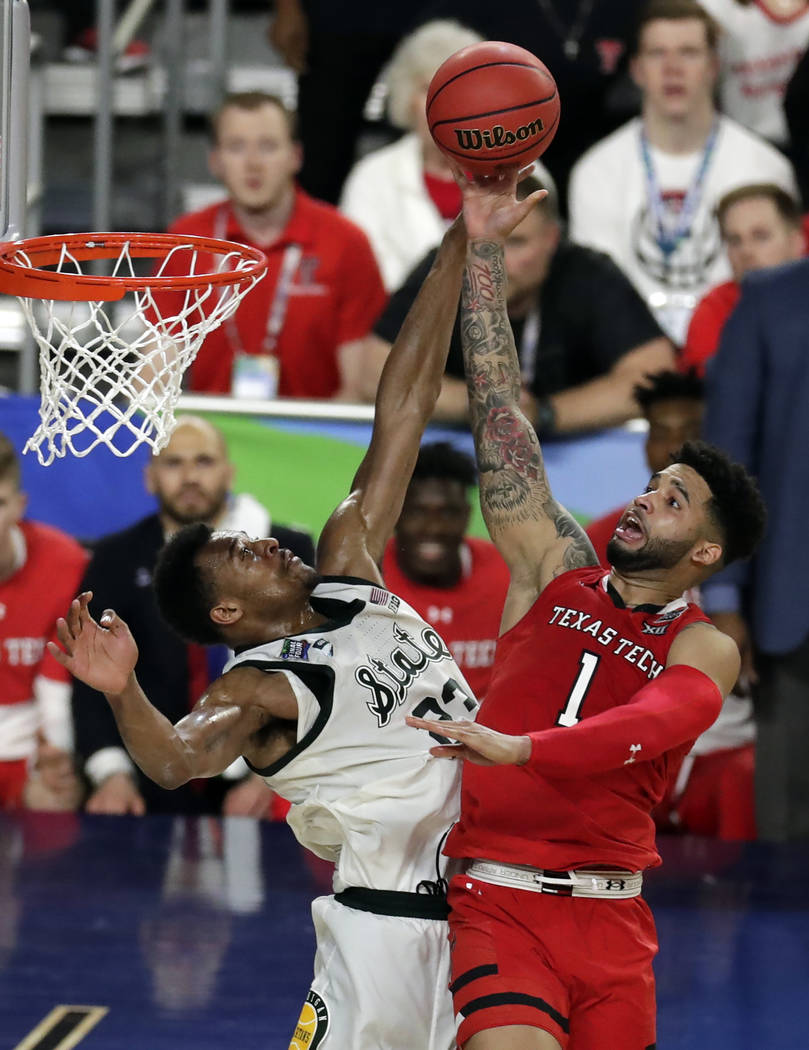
(185, 593)
(668, 386)
(736, 506)
(440, 459)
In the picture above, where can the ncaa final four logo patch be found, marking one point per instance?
(295, 649)
(312, 1024)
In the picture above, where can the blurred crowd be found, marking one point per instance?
(663, 277)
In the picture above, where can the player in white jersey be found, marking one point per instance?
(381, 813)
(329, 664)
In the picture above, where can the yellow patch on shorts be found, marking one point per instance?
(312, 1024)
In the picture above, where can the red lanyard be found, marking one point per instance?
(280, 300)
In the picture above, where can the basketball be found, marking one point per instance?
(492, 105)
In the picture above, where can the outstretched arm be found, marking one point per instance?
(203, 743)
(672, 709)
(355, 536)
(537, 537)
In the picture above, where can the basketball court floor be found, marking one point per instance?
(159, 933)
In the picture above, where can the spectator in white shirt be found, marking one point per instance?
(403, 195)
(647, 193)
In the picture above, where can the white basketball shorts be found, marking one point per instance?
(381, 983)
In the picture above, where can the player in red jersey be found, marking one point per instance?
(602, 680)
(40, 570)
(712, 793)
(458, 583)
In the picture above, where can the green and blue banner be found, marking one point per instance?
(300, 469)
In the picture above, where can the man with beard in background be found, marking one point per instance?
(191, 480)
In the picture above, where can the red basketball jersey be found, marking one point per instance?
(31, 600)
(467, 615)
(577, 652)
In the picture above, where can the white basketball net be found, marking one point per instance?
(111, 372)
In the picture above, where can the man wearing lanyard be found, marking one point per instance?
(646, 194)
(296, 333)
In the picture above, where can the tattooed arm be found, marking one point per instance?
(537, 537)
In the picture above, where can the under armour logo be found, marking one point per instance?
(633, 748)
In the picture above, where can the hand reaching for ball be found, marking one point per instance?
(490, 206)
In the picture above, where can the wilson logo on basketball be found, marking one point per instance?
(491, 138)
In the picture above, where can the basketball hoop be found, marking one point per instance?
(113, 349)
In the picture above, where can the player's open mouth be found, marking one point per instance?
(630, 529)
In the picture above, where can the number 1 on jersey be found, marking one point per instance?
(570, 713)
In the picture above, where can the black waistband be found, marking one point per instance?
(394, 902)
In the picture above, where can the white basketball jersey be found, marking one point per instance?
(365, 791)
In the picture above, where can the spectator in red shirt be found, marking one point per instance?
(760, 226)
(295, 332)
(40, 571)
(456, 582)
(713, 791)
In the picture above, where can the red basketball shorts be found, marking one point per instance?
(576, 967)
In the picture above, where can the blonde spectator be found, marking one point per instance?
(403, 196)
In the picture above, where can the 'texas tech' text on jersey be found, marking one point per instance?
(576, 653)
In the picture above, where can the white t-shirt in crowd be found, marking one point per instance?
(758, 51)
(386, 195)
(611, 209)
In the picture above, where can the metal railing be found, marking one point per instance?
(112, 41)
(16, 31)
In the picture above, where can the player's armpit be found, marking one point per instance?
(208, 739)
(673, 709)
(538, 551)
(226, 719)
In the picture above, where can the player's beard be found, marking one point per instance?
(654, 554)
